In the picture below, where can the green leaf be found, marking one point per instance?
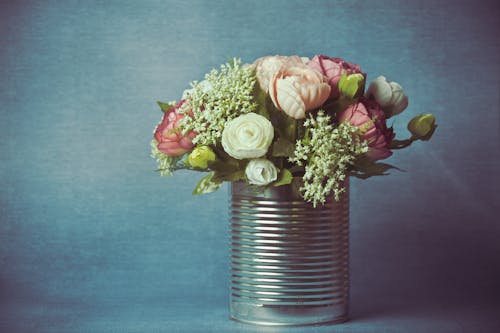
(285, 177)
(400, 144)
(261, 100)
(365, 168)
(228, 170)
(207, 185)
(165, 106)
(297, 170)
(285, 126)
(229, 176)
(283, 148)
(221, 166)
(296, 185)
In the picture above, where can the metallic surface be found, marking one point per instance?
(289, 261)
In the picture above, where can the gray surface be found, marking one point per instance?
(92, 240)
(130, 315)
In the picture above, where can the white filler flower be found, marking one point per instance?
(261, 172)
(247, 136)
(389, 95)
(204, 86)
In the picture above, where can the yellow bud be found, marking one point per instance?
(422, 126)
(351, 86)
(200, 156)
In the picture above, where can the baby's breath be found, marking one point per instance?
(221, 97)
(326, 152)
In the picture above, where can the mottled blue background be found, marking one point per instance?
(93, 240)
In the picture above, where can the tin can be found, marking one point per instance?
(289, 260)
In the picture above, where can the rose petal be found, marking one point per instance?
(171, 148)
(314, 95)
(289, 99)
(401, 105)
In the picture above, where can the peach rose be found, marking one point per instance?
(297, 89)
(266, 67)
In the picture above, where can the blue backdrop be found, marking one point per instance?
(93, 240)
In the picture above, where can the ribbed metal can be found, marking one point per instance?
(289, 261)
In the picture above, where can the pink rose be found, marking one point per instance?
(296, 89)
(170, 140)
(362, 114)
(266, 67)
(333, 68)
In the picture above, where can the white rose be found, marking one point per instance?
(389, 95)
(261, 172)
(247, 136)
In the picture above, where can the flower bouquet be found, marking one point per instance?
(287, 132)
(285, 119)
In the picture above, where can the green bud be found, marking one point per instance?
(200, 156)
(422, 127)
(351, 86)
